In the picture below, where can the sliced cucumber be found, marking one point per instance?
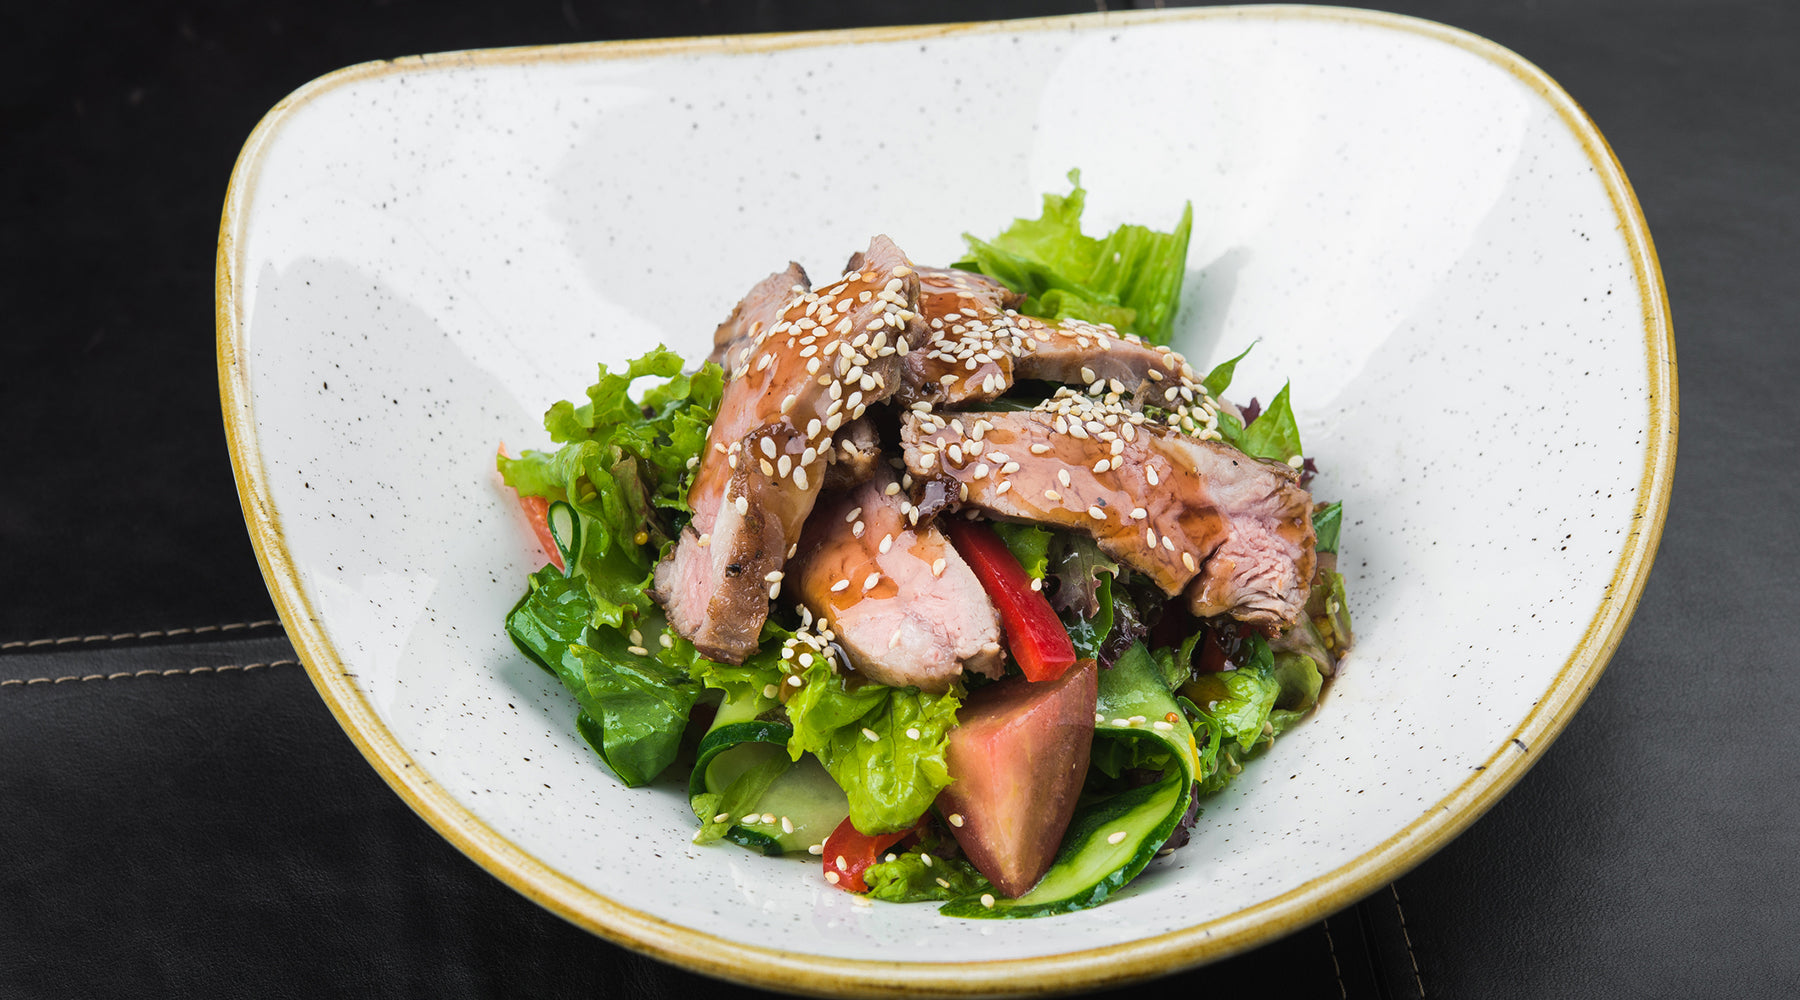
(1112, 839)
(1108, 843)
(743, 772)
(565, 529)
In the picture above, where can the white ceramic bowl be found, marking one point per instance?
(1423, 231)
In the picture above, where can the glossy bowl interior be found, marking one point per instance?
(1417, 227)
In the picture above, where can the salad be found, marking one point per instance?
(958, 582)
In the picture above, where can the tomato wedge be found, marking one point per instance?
(849, 852)
(1039, 642)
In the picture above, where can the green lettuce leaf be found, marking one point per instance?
(910, 878)
(1274, 433)
(1219, 379)
(1029, 544)
(1327, 522)
(1130, 279)
(633, 708)
(623, 467)
(892, 779)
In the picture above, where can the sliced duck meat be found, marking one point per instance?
(1101, 358)
(975, 337)
(1198, 517)
(855, 453)
(754, 313)
(829, 355)
(905, 607)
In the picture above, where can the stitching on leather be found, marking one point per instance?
(126, 674)
(159, 633)
(1407, 935)
(1336, 969)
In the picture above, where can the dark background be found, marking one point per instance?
(168, 827)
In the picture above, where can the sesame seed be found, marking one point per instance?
(870, 582)
(743, 505)
(1062, 476)
(816, 849)
(787, 825)
(1139, 513)
(1087, 374)
(705, 540)
(800, 478)
(842, 865)
(792, 681)
(1040, 449)
(956, 820)
(1168, 543)
(937, 567)
(1099, 718)
(638, 650)
(857, 529)
(768, 447)
(855, 513)
(887, 542)
(784, 466)
(1037, 585)
(942, 881)
(831, 877)
(840, 586)
(912, 733)
(1102, 465)
(1187, 559)
(871, 735)
(667, 643)
(1296, 461)
(1002, 488)
(1053, 496)
(1150, 537)
(926, 858)
(892, 488)
(987, 900)
(770, 690)
(767, 469)
(768, 817)
(1097, 513)
(1116, 837)
(1162, 726)
(774, 591)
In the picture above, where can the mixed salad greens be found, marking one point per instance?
(904, 793)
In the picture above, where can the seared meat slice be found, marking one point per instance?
(829, 355)
(854, 455)
(905, 607)
(1080, 353)
(979, 347)
(974, 338)
(1233, 533)
(756, 312)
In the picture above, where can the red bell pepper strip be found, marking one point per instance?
(849, 852)
(1039, 642)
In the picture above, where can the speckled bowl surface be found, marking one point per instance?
(1417, 227)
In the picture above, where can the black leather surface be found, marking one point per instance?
(168, 827)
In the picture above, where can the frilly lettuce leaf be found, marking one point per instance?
(1130, 279)
(892, 779)
(910, 879)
